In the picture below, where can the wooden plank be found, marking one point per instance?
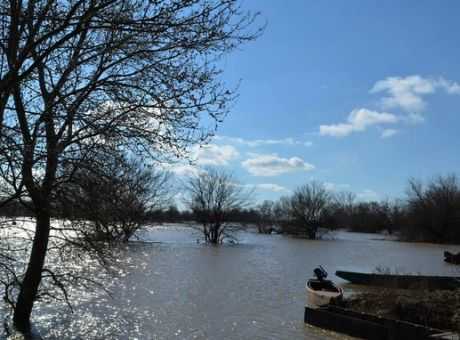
(344, 324)
(446, 336)
(364, 325)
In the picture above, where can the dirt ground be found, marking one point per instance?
(436, 309)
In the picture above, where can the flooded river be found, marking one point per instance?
(178, 289)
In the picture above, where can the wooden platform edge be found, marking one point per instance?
(369, 326)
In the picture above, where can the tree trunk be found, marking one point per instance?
(215, 234)
(32, 278)
(311, 232)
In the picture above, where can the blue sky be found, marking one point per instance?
(361, 95)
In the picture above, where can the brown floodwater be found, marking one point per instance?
(179, 289)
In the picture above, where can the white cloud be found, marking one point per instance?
(271, 187)
(415, 118)
(407, 92)
(404, 92)
(449, 86)
(180, 199)
(273, 165)
(335, 187)
(260, 142)
(183, 170)
(363, 118)
(212, 154)
(387, 133)
(336, 130)
(368, 195)
(358, 120)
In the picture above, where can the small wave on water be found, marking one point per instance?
(166, 285)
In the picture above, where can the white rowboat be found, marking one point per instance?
(321, 292)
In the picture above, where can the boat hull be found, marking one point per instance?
(401, 281)
(317, 298)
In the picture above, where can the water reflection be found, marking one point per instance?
(178, 289)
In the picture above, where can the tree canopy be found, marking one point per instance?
(80, 77)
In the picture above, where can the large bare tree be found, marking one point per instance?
(307, 209)
(433, 210)
(212, 196)
(139, 75)
(265, 217)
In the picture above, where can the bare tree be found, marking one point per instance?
(281, 212)
(343, 207)
(344, 199)
(266, 217)
(434, 209)
(308, 209)
(212, 197)
(134, 74)
(112, 201)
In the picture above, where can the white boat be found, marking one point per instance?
(320, 292)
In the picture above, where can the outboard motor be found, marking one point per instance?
(320, 273)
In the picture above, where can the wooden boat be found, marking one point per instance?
(401, 281)
(320, 292)
(451, 257)
(368, 326)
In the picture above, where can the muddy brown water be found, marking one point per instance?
(179, 289)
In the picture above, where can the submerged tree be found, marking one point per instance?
(265, 217)
(213, 195)
(78, 74)
(307, 209)
(110, 200)
(433, 210)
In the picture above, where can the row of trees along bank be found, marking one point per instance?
(430, 212)
(111, 203)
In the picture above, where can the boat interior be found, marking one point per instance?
(323, 285)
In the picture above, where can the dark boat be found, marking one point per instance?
(401, 281)
(451, 257)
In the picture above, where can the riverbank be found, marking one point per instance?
(435, 309)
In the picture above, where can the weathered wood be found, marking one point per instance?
(366, 326)
(445, 336)
(324, 318)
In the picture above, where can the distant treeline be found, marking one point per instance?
(430, 212)
(173, 215)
